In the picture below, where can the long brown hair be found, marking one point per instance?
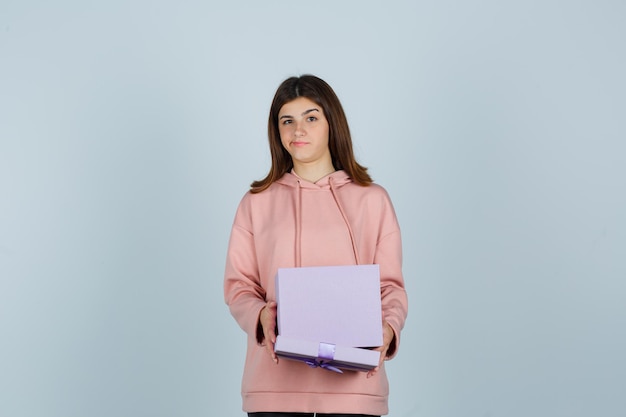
(339, 139)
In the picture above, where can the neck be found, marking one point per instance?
(313, 173)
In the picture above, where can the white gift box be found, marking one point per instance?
(329, 316)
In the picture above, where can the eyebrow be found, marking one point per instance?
(286, 116)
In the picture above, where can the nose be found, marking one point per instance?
(299, 132)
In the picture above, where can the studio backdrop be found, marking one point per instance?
(130, 130)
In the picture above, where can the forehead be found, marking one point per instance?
(298, 106)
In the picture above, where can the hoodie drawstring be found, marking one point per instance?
(298, 225)
(345, 219)
(298, 242)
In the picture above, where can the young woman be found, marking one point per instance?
(316, 207)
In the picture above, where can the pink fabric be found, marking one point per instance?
(298, 223)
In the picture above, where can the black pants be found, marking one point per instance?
(306, 415)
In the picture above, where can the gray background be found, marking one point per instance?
(129, 130)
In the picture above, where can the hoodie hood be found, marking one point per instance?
(337, 178)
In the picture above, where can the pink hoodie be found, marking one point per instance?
(298, 223)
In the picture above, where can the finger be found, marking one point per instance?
(267, 319)
(270, 350)
(269, 332)
(268, 322)
(383, 355)
(373, 372)
(272, 317)
(270, 344)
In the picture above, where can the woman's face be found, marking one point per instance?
(303, 132)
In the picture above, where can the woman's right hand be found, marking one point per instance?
(267, 320)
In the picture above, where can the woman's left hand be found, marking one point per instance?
(388, 336)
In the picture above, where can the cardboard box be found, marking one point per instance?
(328, 316)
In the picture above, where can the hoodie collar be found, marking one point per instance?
(338, 179)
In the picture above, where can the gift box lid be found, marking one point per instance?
(331, 304)
(327, 356)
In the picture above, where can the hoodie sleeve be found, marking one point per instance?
(389, 257)
(243, 292)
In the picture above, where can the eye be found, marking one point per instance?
(311, 118)
(287, 122)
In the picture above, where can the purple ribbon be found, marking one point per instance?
(325, 352)
(314, 363)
